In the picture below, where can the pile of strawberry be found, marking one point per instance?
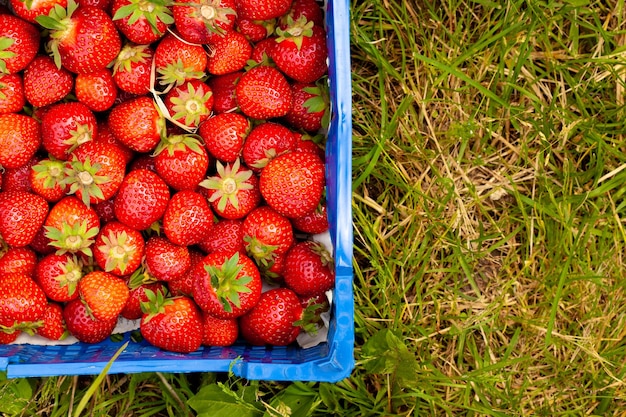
(161, 161)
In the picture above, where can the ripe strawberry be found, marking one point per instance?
(30, 10)
(41, 244)
(181, 161)
(19, 43)
(18, 179)
(20, 137)
(65, 126)
(142, 22)
(39, 75)
(83, 325)
(226, 285)
(184, 284)
(190, 103)
(225, 235)
(310, 9)
(9, 331)
(224, 135)
(262, 9)
(274, 319)
(71, 226)
(132, 309)
(21, 215)
(262, 50)
(255, 30)
(234, 191)
(293, 183)
(46, 178)
(137, 124)
(12, 98)
(96, 90)
(53, 325)
(82, 39)
(106, 210)
(58, 276)
(19, 260)
(106, 136)
(265, 142)
(21, 299)
(141, 199)
(187, 218)
(165, 260)
(267, 234)
(263, 93)
(204, 21)
(173, 324)
(313, 144)
(300, 51)
(131, 69)
(229, 53)
(311, 107)
(119, 249)
(223, 87)
(177, 61)
(104, 293)
(314, 222)
(219, 332)
(308, 269)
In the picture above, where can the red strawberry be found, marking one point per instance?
(262, 50)
(223, 87)
(204, 21)
(225, 235)
(12, 98)
(234, 191)
(46, 178)
(119, 249)
(308, 269)
(21, 215)
(177, 61)
(106, 136)
(255, 30)
(224, 135)
(173, 324)
(137, 124)
(310, 9)
(300, 51)
(311, 107)
(71, 226)
(19, 43)
(190, 103)
(219, 332)
(30, 10)
(132, 309)
(41, 244)
(104, 293)
(187, 218)
(141, 199)
(265, 142)
(262, 9)
(165, 260)
(313, 144)
(184, 284)
(39, 75)
(58, 276)
(142, 22)
(9, 331)
(18, 179)
(274, 320)
(96, 90)
(53, 326)
(181, 161)
(20, 137)
(131, 70)
(106, 210)
(20, 260)
(65, 126)
(293, 183)
(314, 222)
(21, 299)
(83, 325)
(82, 39)
(229, 53)
(225, 285)
(267, 234)
(263, 93)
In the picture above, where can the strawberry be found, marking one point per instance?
(173, 324)
(190, 103)
(39, 75)
(83, 325)
(184, 284)
(181, 161)
(19, 43)
(41, 244)
(255, 30)
(313, 144)
(310, 9)
(58, 276)
(82, 39)
(224, 135)
(21, 299)
(141, 199)
(314, 222)
(142, 21)
(10, 330)
(226, 285)
(119, 249)
(21, 215)
(308, 269)
(267, 234)
(223, 87)
(131, 69)
(30, 10)
(274, 319)
(53, 325)
(165, 260)
(300, 51)
(137, 124)
(293, 183)
(132, 309)
(262, 9)
(204, 21)
(263, 93)
(19, 178)
(261, 51)
(177, 61)
(219, 332)
(104, 294)
(71, 226)
(229, 53)
(12, 97)
(20, 137)
(311, 107)
(187, 218)
(46, 178)
(96, 90)
(233, 192)
(20, 260)
(65, 126)
(265, 142)
(225, 235)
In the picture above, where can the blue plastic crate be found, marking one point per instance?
(330, 361)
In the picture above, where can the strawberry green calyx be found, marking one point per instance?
(228, 181)
(140, 277)
(262, 253)
(173, 143)
(151, 10)
(129, 55)
(75, 238)
(50, 171)
(212, 14)
(320, 101)
(157, 301)
(71, 272)
(226, 284)
(5, 43)
(296, 31)
(190, 105)
(322, 252)
(118, 251)
(59, 22)
(82, 134)
(83, 177)
(175, 74)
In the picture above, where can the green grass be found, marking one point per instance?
(489, 215)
